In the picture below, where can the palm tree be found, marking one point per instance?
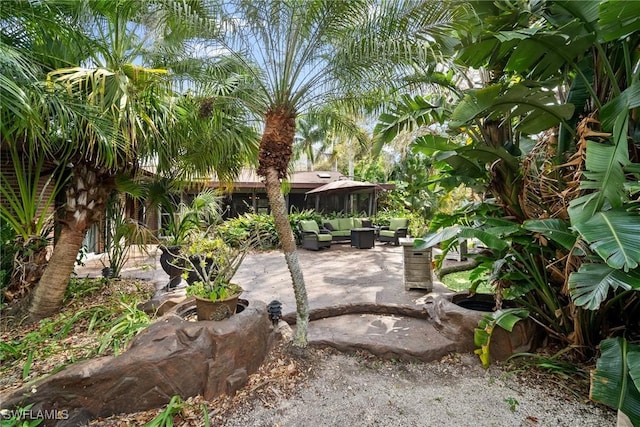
(30, 46)
(310, 141)
(140, 118)
(309, 54)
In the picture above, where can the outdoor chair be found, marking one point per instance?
(312, 237)
(397, 228)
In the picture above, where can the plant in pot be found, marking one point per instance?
(185, 221)
(213, 263)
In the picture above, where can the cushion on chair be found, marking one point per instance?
(396, 223)
(387, 233)
(309, 225)
(357, 222)
(324, 237)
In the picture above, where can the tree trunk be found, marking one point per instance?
(275, 152)
(288, 242)
(29, 263)
(86, 197)
(49, 293)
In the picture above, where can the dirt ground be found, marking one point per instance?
(361, 390)
(324, 388)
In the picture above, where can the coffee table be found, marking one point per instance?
(363, 238)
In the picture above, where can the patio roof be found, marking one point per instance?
(304, 180)
(346, 186)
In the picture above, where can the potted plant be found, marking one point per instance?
(203, 212)
(213, 263)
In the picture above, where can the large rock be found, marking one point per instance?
(458, 323)
(171, 357)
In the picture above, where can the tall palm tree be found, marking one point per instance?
(310, 140)
(140, 117)
(308, 54)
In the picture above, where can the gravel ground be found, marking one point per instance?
(360, 391)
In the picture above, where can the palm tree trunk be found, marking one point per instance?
(49, 293)
(275, 152)
(86, 197)
(288, 242)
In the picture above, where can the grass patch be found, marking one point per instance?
(461, 281)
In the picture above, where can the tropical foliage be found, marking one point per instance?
(549, 126)
(528, 108)
(101, 115)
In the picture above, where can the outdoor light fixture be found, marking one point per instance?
(274, 308)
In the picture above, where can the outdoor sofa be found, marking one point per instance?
(340, 228)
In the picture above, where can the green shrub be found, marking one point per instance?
(236, 230)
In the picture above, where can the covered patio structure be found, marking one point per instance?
(346, 196)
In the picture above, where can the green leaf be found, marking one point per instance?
(620, 105)
(553, 229)
(633, 360)
(461, 165)
(590, 285)
(506, 319)
(433, 239)
(615, 236)
(429, 144)
(618, 19)
(584, 207)
(611, 382)
(536, 106)
(605, 165)
(485, 236)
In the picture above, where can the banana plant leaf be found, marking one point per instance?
(430, 144)
(553, 229)
(620, 105)
(618, 19)
(614, 382)
(537, 107)
(506, 319)
(493, 241)
(462, 165)
(590, 285)
(605, 175)
(615, 236)
(433, 239)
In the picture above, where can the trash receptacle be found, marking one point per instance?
(417, 266)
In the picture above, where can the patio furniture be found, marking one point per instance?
(397, 228)
(340, 228)
(363, 238)
(312, 237)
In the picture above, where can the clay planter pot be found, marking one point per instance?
(216, 310)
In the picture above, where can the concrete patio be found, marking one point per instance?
(357, 298)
